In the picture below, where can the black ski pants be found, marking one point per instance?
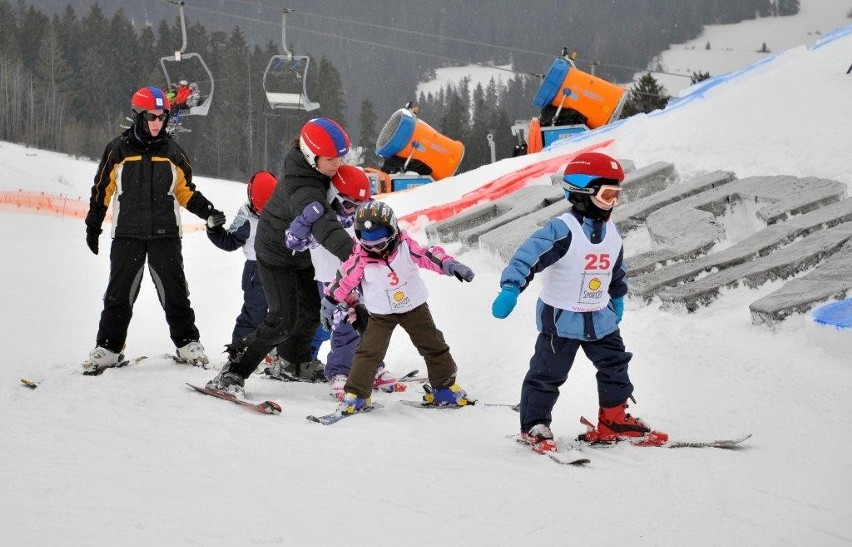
(291, 320)
(127, 262)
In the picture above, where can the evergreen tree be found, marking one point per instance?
(54, 80)
(33, 25)
(368, 133)
(328, 92)
(788, 7)
(9, 45)
(698, 77)
(645, 96)
(477, 151)
(454, 123)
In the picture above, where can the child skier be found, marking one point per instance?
(350, 187)
(240, 234)
(580, 257)
(385, 265)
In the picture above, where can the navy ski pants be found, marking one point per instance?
(549, 369)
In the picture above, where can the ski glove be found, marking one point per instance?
(327, 312)
(216, 219)
(462, 272)
(92, 234)
(618, 306)
(298, 236)
(505, 301)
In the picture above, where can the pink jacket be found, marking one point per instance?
(352, 271)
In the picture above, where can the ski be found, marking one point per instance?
(656, 438)
(729, 443)
(516, 406)
(408, 377)
(719, 443)
(120, 364)
(421, 404)
(400, 385)
(562, 458)
(266, 407)
(334, 417)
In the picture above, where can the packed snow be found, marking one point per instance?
(134, 457)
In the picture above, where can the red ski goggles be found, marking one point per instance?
(579, 184)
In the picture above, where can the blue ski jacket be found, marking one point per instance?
(544, 248)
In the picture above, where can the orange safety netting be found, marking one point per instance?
(22, 201)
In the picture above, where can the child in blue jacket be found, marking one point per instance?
(580, 256)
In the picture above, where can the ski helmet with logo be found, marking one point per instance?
(372, 218)
(323, 137)
(349, 188)
(259, 190)
(149, 98)
(590, 170)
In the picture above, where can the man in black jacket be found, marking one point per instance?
(288, 276)
(147, 176)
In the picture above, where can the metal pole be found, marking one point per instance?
(490, 138)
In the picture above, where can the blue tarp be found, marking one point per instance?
(836, 314)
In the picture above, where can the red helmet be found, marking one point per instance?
(593, 165)
(585, 173)
(149, 98)
(352, 183)
(259, 190)
(323, 137)
(349, 188)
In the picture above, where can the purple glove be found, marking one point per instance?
(298, 236)
(346, 220)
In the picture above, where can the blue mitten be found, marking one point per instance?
(298, 235)
(618, 305)
(462, 272)
(505, 301)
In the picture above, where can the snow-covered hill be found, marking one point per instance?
(134, 457)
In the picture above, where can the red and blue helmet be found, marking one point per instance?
(149, 98)
(323, 137)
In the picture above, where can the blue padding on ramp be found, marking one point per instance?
(836, 314)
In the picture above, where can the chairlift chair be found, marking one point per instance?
(195, 71)
(286, 76)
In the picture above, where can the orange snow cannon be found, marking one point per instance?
(406, 136)
(567, 86)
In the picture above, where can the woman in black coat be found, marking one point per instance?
(288, 277)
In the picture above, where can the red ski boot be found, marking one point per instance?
(540, 439)
(614, 424)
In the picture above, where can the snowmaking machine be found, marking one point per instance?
(571, 102)
(415, 154)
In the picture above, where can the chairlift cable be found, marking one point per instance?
(418, 33)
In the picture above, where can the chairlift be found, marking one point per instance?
(285, 78)
(190, 69)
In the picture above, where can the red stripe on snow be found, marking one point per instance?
(498, 188)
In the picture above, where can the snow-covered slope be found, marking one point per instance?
(134, 457)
